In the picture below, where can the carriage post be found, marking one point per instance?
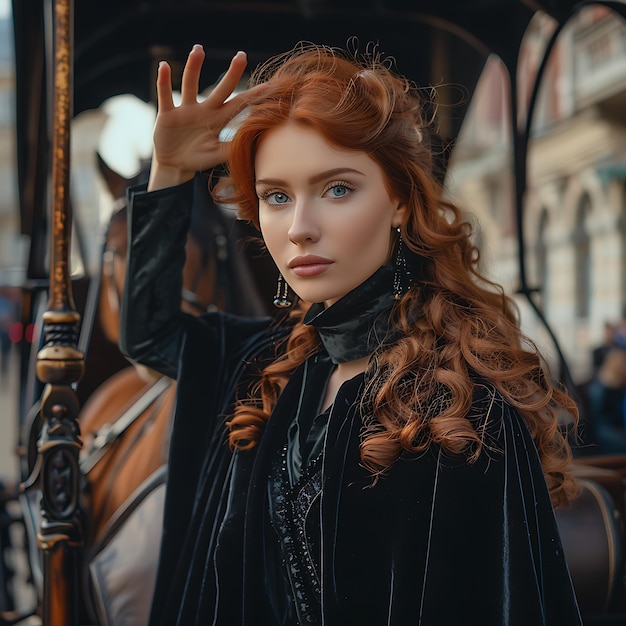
(59, 362)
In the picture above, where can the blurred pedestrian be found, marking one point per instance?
(599, 353)
(607, 397)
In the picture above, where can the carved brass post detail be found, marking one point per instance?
(60, 363)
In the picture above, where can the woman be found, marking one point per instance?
(387, 455)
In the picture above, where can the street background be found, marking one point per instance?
(9, 474)
(8, 423)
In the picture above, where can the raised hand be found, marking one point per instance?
(186, 137)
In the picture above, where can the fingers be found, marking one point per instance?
(231, 79)
(191, 75)
(165, 102)
(241, 100)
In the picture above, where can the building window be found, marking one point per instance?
(599, 55)
(543, 274)
(582, 252)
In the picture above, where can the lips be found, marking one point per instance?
(309, 265)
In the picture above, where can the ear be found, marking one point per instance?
(398, 216)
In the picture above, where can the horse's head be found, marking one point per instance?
(113, 274)
(217, 273)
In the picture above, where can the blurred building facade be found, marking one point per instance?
(575, 209)
(11, 244)
(575, 205)
(89, 196)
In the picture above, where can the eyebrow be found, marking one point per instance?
(314, 179)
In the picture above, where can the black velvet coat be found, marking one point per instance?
(436, 542)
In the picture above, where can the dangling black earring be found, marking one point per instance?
(402, 275)
(281, 300)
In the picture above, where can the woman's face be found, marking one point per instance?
(325, 213)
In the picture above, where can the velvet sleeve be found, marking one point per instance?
(152, 325)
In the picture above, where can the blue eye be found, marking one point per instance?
(280, 198)
(275, 197)
(337, 190)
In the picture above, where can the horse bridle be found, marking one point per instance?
(219, 245)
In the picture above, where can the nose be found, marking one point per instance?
(303, 227)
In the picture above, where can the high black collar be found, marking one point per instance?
(357, 324)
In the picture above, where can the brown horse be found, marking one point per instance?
(126, 421)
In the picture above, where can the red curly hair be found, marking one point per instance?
(455, 324)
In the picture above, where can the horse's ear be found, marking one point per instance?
(145, 167)
(116, 183)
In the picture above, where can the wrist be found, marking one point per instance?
(162, 176)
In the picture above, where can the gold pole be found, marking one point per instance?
(60, 363)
